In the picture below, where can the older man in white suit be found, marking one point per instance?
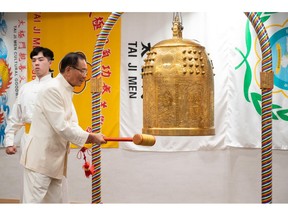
(54, 126)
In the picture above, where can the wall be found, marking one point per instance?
(222, 176)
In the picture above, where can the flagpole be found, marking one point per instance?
(266, 118)
(96, 89)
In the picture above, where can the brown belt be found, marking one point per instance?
(27, 127)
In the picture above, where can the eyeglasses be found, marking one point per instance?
(82, 71)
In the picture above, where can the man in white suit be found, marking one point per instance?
(54, 126)
(23, 108)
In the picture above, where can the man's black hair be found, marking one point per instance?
(46, 52)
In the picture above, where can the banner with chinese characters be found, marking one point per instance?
(70, 32)
(13, 63)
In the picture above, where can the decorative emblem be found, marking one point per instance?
(279, 46)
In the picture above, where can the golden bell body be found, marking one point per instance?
(178, 89)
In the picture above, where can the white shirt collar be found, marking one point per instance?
(46, 77)
(64, 82)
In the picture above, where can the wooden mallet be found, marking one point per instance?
(138, 139)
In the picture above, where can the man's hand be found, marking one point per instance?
(11, 150)
(96, 138)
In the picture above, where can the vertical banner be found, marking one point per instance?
(70, 32)
(13, 64)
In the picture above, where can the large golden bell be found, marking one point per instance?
(178, 88)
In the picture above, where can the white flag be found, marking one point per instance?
(245, 99)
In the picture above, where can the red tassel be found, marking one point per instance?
(89, 170)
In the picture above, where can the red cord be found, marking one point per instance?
(88, 169)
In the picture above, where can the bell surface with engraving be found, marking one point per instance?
(178, 88)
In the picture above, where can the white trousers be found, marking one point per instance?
(39, 188)
(64, 180)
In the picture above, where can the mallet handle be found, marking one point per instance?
(138, 139)
(127, 139)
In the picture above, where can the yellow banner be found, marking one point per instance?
(69, 32)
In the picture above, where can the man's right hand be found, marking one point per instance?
(11, 150)
(97, 138)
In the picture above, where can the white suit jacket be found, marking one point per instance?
(54, 126)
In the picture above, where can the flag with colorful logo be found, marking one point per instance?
(244, 128)
(13, 63)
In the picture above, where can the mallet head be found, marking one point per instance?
(144, 139)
